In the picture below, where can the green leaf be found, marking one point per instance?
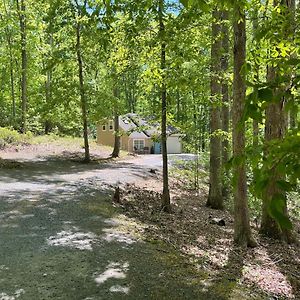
(202, 4)
(276, 211)
(185, 3)
(265, 94)
(284, 185)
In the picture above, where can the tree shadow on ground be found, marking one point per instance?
(55, 170)
(282, 254)
(55, 246)
(225, 285)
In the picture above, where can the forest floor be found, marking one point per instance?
(62, 237)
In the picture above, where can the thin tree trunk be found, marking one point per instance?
(48, 92)
(82, 96)
(203, 130)
(166, 204)
(225, 102)
(255, 126)
(48, 97)
(11, 65)
(242, 232)
(292, 5)
(12, 82)
(215, 199)
(116, 151)
(22, 19)
(255, 130)
(178, 117)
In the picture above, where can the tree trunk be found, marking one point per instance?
(116, 151)
(48, 91)
(275, 128)
(82, 96)
(242, 232)
(215, 199)
(166, 204)
(12, 82)
(11, 65)
(225, 102)
(255, 126)
(22, 19)
(255, 129)
(293, 26)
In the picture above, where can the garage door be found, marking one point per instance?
(173, 145)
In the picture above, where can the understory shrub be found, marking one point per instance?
(12, 137)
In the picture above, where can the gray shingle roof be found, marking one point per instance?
(140, 128)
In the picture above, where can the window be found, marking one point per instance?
(103, 127)
(138, 145)
(111, 126)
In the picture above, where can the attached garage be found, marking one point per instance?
(174, 144)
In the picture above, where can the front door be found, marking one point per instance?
(157, 148)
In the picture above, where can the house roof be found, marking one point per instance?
(140, 128)
(131, 124)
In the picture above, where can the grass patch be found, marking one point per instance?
(10, 137)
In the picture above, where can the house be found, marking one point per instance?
(138, 135)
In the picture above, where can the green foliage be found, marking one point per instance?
(283, 161)
(191, 174)
(12, 137)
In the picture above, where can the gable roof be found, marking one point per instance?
(140, 128)
(131, 124)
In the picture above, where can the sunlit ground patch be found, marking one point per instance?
(119, 289)
(123, 230)
(267, 276)
(114, 270)
(16, 295)
(73, 238)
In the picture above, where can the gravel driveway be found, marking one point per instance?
(61, 237)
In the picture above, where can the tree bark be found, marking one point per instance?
(255, 126)
(225, 101)
(166, 204)
(116, 151)
(48, 90)
(242, 232)
(215, 199)
(22, 19)
(82, 96)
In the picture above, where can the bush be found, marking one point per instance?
(12, 137)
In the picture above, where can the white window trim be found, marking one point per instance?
(138, 140)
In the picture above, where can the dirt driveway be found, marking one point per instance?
(61, 237)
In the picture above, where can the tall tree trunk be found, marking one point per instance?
(255, 126)
(116, 151)
(22, 19)
(166, 204)
(12, 80)
(255, 130)
(215, 199)
(48, 91)
(293, 114)
(82, 96)
(11, 65)
(225, 100)
(178, 113)
(275, 128)
(242, 232)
